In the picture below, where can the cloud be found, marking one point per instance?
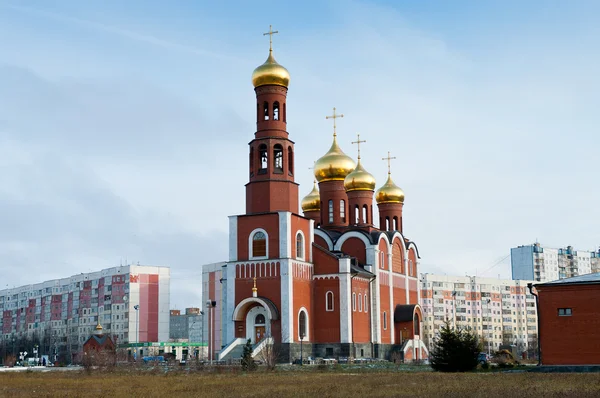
(126, 33)
(59, 218)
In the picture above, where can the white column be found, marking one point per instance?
(375, 303)
(287, 304)
(311, 240)
(233, 238)
(390, 316)
(345, 301)
(285, 234)
(228, 322)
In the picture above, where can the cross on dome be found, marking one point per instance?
(271, 32)
(389, 162)
(334, 116)
(358, 142)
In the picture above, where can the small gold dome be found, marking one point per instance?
(312, 201)
(389, 193)
(270, 73)
(334, 165)
(359, 180)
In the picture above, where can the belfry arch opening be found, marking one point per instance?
(278, 158)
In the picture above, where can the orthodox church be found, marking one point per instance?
(333, 281)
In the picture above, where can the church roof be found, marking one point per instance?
(102, 339)
(587, 279)
(404, 313)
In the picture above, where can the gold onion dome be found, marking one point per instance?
(334, 165)
(359, 180)
(389, 193)
(312, 201)
(270, 73)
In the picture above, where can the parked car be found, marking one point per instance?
(483, 358)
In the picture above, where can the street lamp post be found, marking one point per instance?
(301, 356)
(210, 305)
(488, 314)
(137, 337)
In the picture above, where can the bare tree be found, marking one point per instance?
(270, 355)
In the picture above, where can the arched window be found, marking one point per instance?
(302, 325)
(384, 320)
(251, 161)
(264, 158)
(329, 306)
(353, 301)
(356, 214)
(395, 223)
(259, 320)
(366, 306)
(330, 211)
(299, 246)
(343, 210)
(259, 244)
(416, 325)
(276, 111)
(387, 223)
(290, 161)
(278, 158)
(365, 220)
(284, 115)
(266, 110)
(359, 302)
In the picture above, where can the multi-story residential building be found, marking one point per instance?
(186, 326)
(500, 311)
(543, 264)
(130, 302)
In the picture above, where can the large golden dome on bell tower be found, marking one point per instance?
(270, 73)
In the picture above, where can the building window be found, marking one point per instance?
(290, 161)
(302, 324)
(276, 111)
(264, 158)
(564, 312)
(366, 306)
(299, 246)
(343, 210)
(259, 320)
(359, 302)
(330, 211)
(329, 301)
(266, 110)
(278, 158)
(384, 320)
(353, 301)
(259, 244)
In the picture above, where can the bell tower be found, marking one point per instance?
(271, 187)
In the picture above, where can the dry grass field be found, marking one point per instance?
(298, 384)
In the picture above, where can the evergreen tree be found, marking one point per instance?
(247, 360)
(455, 350)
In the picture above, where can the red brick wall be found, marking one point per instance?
(327, 330)
(355, 248)
(575, 339)
(324, 262)
(268, 222)
(361, 326)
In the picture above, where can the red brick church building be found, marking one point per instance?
(333, 278)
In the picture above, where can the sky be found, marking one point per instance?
(124, 125)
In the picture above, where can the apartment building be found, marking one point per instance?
(187, 326)
(500, 311)
(130, 302)
(544, 264)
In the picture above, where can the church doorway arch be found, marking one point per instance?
(258, 325)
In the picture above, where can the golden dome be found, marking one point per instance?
(312, 201)
(359, 180)
(389, 193)
(334, 165)
(270, 73)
